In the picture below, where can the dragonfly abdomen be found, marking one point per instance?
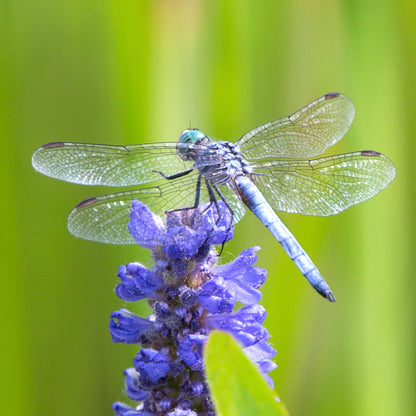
(256, 202)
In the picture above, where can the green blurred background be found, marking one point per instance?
(135, 71)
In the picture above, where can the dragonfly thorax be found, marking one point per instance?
(217, 162)
(189, 143)
(220, 162)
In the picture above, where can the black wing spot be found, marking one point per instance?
(331, 95)
(370, 153)
(53, 145)
(87, 202)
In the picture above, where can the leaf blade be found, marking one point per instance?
(236, 385)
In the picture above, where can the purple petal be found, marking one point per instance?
(260, 351)
(251, 314)
(267, 366)
(270, 383)
(242, 292)
(146, 228)
(238, 267)
(182, 412)
(181, 242)
(194, 389)
(254, 277)
(123, 409)
(190, 350)
(236, 289)
(240, 279)
(128, 328)
(151, 364)
(178, 218)
(217, 227)
(215, 299)
(132, 385)
(245, 324)
(247, 335)
(137, 282)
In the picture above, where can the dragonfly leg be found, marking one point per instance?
(210, 188)
(212, 200)
(223, 199)
(197, 196)
(176, 175)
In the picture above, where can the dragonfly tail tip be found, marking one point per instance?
(329, 295)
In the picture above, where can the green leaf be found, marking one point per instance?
(236, 385)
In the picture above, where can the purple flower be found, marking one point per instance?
(145, 227)
(190, 350)
(245, 324)
(151, 365)
(132, 385)
(190, 296)
(122, 409)
(136, 282)
(240, 279)
(128, 328)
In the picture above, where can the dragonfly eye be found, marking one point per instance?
(187, 139)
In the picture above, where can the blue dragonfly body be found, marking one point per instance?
(269, 168)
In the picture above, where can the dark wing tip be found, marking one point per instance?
(370, 153)
(86, 202)
(331, 95)
(53, 145)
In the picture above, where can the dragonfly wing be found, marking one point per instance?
(234, 202)
(305, 134)
(324, 186)
(105, 218)
(109, 165)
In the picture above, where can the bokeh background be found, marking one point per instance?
(137, 71)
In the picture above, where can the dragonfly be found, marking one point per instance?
(273, 167)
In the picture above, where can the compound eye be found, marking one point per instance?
(186, 140)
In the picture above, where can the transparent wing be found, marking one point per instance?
(104, 218)
(97, 164)
(235, 203)
(324, 186)
(305, 134)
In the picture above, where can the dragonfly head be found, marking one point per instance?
(188, 143)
